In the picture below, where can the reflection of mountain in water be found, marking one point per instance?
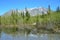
(33, 35)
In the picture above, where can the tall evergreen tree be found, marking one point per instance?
(58, 9)
(27, 14)
(12, 17)
(16, 16)
(22, 14)
(42, 14)
(49, 9)
(0, 20)
(12, 14)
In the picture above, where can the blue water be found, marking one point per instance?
(18, 36)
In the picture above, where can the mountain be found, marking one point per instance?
(32, 11)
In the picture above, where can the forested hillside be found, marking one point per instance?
(51, 20)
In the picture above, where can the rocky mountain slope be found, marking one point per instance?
(32, 11)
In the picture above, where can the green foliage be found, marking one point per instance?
(22, 14)
(44, 19)
(42, 16)
(0, 20)
(27, 15)
(14, 17)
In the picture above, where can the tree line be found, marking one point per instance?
(15, 17)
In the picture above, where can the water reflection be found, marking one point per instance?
(10, 34)
(0, 34)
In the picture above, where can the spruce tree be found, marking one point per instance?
(12, 17)
(27, 15)
(0, 20)
(58, 9)
(22, 14)
(42, 14)
(49, 9)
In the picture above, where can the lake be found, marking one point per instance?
(22, 36)
(14, 34)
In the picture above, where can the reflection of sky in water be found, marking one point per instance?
(30, 37)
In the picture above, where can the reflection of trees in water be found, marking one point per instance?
(0, 32)
(27, 32)
(9, 30)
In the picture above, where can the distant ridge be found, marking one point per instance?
(32, 11)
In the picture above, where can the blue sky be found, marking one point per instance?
(6, 5)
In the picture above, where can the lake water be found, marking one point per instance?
(18, 36)
(13, 34)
